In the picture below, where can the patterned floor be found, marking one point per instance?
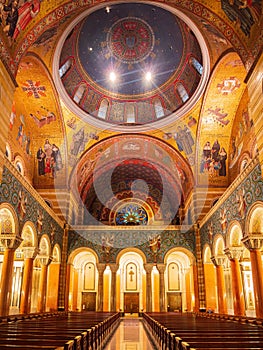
(130, 335)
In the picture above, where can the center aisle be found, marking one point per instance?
(130, 335)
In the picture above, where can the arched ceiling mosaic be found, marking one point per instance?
(133, 167)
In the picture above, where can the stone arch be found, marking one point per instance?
(8, 219)
(179, 279)
(218, 246)
(234, 234)
(207, 254)
(44, 246)
(83, 284)
(81, 251)
(56, 253)
(185, 251)
(254, 219)
(29, 235)
(131, 275)
(131, 250)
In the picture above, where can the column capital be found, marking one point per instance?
(234, 253)
(148, 267)
(44, 260)
(253, 241)
(101, 267)
(10, 240)
(161, 268)
(218, 260)
(30, 252)
(113, 267)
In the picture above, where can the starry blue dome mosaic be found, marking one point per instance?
(131, 44)
(130, 63)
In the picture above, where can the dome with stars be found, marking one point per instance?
(129, 67)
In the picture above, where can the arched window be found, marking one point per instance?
(197, 65)
(79, 93)
(182, 92)
(173, 277)
(8, 153)
(19, 165)
(89, 276)
(130, 113)
(102, 113)
(65, 67)
(159, 112)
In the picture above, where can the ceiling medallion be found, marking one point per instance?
(130, 40)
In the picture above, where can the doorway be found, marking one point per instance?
(131, 303)
(89, 301)
(174, 302)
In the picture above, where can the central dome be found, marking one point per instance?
(129, 41)
(130, 64)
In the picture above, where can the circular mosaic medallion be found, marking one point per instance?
(131, 214)
(130, 40)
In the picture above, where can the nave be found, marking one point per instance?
(118, 331)
(130, 335)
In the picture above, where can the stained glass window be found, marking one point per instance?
(131, 214)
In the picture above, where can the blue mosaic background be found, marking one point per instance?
(253, 191)
(9, 193)
(132, 238)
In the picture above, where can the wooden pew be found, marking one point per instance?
(189, 332)
(70, 332)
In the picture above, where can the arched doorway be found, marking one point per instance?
(83, 280)
(132, 282)
(179, 280)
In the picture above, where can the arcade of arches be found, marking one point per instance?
(131, 156)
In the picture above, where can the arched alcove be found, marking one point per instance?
(179, 280)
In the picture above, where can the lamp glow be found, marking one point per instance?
(148, 76)
(112, 76)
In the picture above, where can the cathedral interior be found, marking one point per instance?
(130, 156)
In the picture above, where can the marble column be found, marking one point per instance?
(254, 243)
(114, 269)
(11, 242)
(41, 302)
(148, 268)
(161, 269)
(100, 267)
(234, 254)
(29, 255)
(219, 262)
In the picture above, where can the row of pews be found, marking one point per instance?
(190, 331)
(57, 331)
(235, 318)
